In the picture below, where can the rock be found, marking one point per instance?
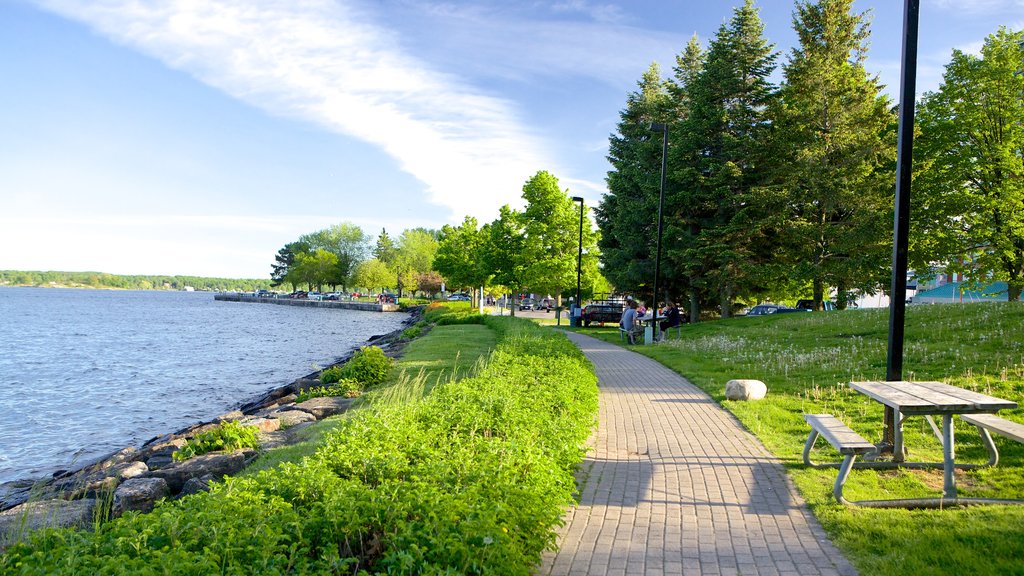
(15, 493)
(233, 415)
(264, 424)
(745, 390)
(139, 494)
(217, 464)
(159, 461)
(133, 470)
(196, 485)
(325, 406)
(276, 439)
(304, 384)
(18, 521)
(288, 417)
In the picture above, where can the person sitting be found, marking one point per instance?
(672, 318)
(628, 321)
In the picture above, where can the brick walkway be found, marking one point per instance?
(675, 485)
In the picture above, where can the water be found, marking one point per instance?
(87, 372)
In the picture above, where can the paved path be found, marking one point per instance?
(675, 485)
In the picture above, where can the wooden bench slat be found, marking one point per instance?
(996, 424)
(838, 434)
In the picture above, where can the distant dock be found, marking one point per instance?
(364, 306)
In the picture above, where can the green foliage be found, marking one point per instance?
(369, 366)
(331, 375)
(338, 387)
(229, 435)
(471, 479)
(103, 280)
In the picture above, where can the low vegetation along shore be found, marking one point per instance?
(462, 462)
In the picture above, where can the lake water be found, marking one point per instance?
(87, 372)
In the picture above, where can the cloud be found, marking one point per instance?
(980, 6)
(329, 63)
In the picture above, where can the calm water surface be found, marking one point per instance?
(87, 372)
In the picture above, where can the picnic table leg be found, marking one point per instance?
(948, 453)
(897, 437)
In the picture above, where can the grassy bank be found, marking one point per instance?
(807, 360)
(432, 475)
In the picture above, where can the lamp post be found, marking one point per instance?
(579, 256)
(901, 217)
(663, 128)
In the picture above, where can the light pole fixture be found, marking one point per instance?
(579, 257)
(663, 128)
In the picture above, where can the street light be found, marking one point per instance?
(663, 128)
(579, 256)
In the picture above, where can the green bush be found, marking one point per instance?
(471, 479)
(345, 387)
(368, 365)
(229, 435)
(331, 375)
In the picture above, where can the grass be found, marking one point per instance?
(806, 360)
(445, 353)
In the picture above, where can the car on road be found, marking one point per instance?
(459, 298)
(527, 304)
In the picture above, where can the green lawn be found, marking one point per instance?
(807, 360)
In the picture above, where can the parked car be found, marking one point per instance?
(809, 304)
(603, 311)
(766, 309)
(459, 298)
(527, 304)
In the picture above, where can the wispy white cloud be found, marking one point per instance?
(329, 63)
(980, 6)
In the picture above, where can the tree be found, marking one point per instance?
(627, 214)
(384, 250)
(833, 130)
(459, 256)
(505, 254)
(970, 203)
(725, 136)
(373, 274)
(346, 241)
(551, 222)
(285, 260)
(315, 269)
(414, 255)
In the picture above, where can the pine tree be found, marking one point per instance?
(833, 131)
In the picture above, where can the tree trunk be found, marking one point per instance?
(819, 294)
(694, 306)
(1013, 290)
(725, 302)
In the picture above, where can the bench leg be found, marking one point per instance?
(993, 452)
(807, 448)
(844, 473)
(948, 454)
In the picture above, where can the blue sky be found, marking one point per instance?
(198, 137)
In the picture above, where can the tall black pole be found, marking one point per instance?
(901, 218)
(579, 255)
(663, 128)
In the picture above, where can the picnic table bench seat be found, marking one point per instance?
(842, 438)
(987, 423)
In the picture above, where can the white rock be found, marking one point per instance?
(745, 390)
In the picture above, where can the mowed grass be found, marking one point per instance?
(444, 353)
(807, 361)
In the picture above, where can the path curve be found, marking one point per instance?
(675, 485)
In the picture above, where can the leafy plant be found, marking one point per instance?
(369, 365)
(345, 387)
(331, 375)
(227, 436)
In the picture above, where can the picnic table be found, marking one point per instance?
(931, 399)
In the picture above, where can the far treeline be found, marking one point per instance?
(534, 250)
(103, 280)
(783, 192)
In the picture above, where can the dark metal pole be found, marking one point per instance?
(901, 218)
(663, 128)
(579, 256)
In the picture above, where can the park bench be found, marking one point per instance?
(842, 438)
(987, 423)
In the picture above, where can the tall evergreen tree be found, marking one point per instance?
(384, 250)
(970, 199)
(627, 214)
(833, 132)
(726, 133)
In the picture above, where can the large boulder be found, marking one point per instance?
(325, 406)
(289, 418)
(18, 521)
(745, 390)
(263, 424)
(139, 494)
(217, 464)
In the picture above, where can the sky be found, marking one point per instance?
(198, 137)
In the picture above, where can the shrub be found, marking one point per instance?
(345, 387)
(369, 365)
(331, 375)
(229, 435)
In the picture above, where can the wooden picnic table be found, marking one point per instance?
(928, 399)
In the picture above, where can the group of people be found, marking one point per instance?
(635, 311)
